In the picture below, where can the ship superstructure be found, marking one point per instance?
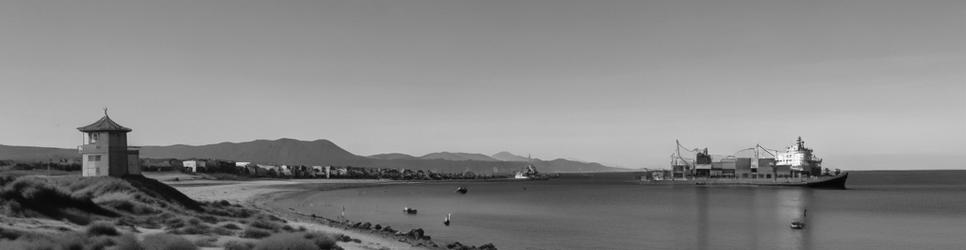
(800, 159)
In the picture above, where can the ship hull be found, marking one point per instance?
(831, 182)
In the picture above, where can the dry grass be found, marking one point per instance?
(167, 242)
(102, 228)
(298, 241)
(135, 202)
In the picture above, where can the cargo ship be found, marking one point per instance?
(795, 166)
(529, 172)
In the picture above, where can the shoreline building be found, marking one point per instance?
(193, 165)
(104, 150)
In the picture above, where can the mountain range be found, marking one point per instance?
(322, 152)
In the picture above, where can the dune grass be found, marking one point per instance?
(111, 209)
(167, 242)
(298, 241)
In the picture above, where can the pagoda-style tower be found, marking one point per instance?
(105, 151)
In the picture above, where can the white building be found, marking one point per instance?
(193, 165)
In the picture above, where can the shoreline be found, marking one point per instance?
(258, 194)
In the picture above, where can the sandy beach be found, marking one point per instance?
(256, 193)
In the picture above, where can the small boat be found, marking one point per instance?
(409, 210)
(446, 220)
(462, 190)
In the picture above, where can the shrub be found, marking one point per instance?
(208, 219)
(127, 242)
(238, 245)
(191, 229)
(101, 228)
(175, 222)
(322, 241)
(206, 241)
(231, 226)
(286, 241)
(9, 234)
(23, 244)
(255, 233)
(265, 224)
(96, 242)
(131, 207)
(167, 242)
(70, 240)
(33, 195)
(221, 231)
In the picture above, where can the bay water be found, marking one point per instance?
(879, 210)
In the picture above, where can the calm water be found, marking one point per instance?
(881, 210)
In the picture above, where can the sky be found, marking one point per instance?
(608, 81)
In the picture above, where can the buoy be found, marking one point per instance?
(446, 220)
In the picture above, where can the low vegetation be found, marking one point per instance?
(108, 213)
(166, 242)
(298, 241)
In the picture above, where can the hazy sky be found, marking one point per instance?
(609, 81)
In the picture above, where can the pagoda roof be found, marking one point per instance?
(105, 124)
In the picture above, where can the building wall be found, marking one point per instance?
(783, 170)
(766, 167)
(193, 165)
(743, 168)
(728, 163)
(95, 165)
(112, 150)
(133, 162)
(117, 150)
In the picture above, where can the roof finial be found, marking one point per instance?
(105, 111)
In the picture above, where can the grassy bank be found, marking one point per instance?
(71, 212)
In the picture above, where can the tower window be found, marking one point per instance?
(94, 158)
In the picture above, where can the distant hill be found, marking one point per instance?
(457, 157)
(507, 156)
(281, 151)
(37, 154)
(319, 152)
(393, 156)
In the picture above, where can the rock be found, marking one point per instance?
(343, 238)
(426, 237)
(416, 233)
(357, 225)
(488, 246)
(366, 226)
(377, 227)
(454, 245)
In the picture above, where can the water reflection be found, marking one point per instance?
(701, 201)
(792, 204)
(747, 218)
